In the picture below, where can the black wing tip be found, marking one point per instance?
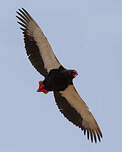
(24, 9)
(101, 134)
(21, 18)
(24, 15)
(92, 135)
(23, 25)
(20, 9)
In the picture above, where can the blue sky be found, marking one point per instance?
(86, 36)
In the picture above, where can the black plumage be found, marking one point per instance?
(58, 79)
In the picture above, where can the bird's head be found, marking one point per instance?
(74, 73)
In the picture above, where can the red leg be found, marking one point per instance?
(42, 88)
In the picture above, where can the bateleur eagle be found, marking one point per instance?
(57, 78)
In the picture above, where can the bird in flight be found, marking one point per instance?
(57, 78)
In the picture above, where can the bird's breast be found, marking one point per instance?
(57, 82)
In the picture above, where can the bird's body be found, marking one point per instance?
(57, 78)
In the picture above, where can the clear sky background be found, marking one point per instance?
(85, 35)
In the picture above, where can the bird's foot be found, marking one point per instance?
(42, 88)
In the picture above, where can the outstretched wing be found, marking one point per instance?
(37, 46)
(75, 110)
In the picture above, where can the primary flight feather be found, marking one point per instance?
(57, 78)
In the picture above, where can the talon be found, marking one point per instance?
(42, 88)
(44, 91)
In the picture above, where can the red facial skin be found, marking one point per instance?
(74, 74)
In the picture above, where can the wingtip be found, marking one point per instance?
(93, 136)
(23, 9)
(101, 134)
